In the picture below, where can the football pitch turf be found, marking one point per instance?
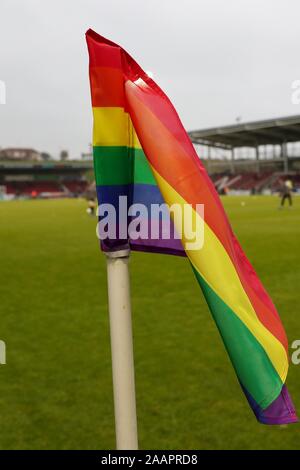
(56, 388)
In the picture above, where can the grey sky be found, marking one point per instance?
(216, 59)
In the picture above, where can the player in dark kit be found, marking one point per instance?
(286, 192)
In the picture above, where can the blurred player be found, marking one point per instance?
(91, 206)
(286, 192)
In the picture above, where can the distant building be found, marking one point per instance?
(22, 154)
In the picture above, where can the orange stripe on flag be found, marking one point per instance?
(187, 176)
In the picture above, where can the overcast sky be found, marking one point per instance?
(216, 59)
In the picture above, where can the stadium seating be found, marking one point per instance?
(278, 178)
(40, 188)
(75, 186)
(253, 182)
(250, 182)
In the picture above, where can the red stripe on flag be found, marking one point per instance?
(103, 54)
(107, 87)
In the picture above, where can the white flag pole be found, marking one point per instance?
(122, 349)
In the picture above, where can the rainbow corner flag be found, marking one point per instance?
(142, 151)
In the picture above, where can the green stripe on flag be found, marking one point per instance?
(112, 165)
(142, 171)
(253, 366)
(115, 165)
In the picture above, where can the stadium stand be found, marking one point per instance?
(44, 179)
(273, 148)
(278, 178)
(251, 182)
(62, 181)
(75, 186)
(24, 173)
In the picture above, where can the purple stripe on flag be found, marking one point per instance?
(159, 235)
(281, 411)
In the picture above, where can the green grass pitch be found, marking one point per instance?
(56, 388)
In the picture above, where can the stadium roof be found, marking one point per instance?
(251, 134)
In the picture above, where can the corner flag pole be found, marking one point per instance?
(122, 349)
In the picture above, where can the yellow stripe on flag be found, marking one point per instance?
(113, 128)
(215, 266)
